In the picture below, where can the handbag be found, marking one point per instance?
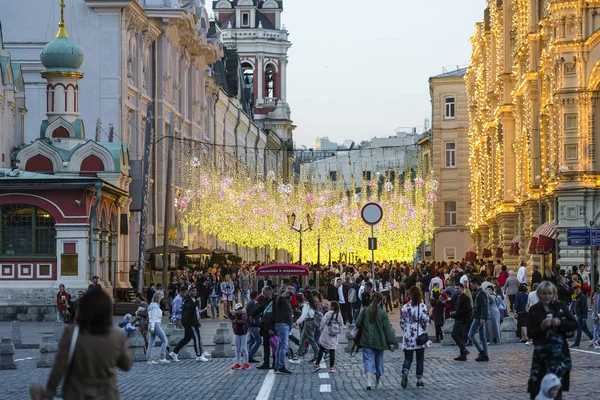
(422, 338)
(334, 329)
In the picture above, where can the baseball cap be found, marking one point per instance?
(238, 306)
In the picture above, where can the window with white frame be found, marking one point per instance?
(245, 19)
(450, 213)
(450, 253)
(449, 107)
(450, 148)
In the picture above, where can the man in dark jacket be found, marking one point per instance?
(480, 316)
(254, 337)
(461, 312)
(191, 326)
(282, 310)
(536, 276)
(264, 314)
(581, 314)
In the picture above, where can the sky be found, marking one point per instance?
(360, 68)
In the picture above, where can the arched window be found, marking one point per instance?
(270, 81)
(26, 231)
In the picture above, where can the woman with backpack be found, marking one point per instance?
(331, 328)
(374, 335)
(312, 321)
(413, 321)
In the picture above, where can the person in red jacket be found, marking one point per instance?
(63, 299)
(503, 276)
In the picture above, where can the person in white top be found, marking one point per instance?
(438, 280)
(522, 273)
(310, 325)
(155, 329)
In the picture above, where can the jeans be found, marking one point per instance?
(241, 349)
(214, 305)
(481, 345)
(59, 317)
(308, 333)
(254, 341)
(373, 361)
(163, 338)
(457, 335)
(408, 359)
(235, 296)
(596, 330)
(582, 327)
(283, 331)
(245, 296)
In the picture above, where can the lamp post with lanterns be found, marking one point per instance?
(310, 220)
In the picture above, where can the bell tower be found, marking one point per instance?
(254, 29)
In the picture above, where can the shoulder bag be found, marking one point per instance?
(422, 338)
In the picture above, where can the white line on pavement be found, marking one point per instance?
(266, 387)
(323, 375)
(325, 388)
(23, 359)
(585, 351)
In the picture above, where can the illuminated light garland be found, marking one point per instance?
(242, 209)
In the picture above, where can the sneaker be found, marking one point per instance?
(201, 359)
(164, 361)
(597, 347)
(174, 356)
(284, 371)
(332, 370)
(312, 360)
(253, 361)
(369, 382)
(462, 357)
(294, 361)
(152, 362)
(316, 368)
(404, 382)
(575, 345)
(482, 357)
(467, 352)
(264, 366)
(378, 384)
(206, 354)
(246, 367)
(420, 384)
(236, 366)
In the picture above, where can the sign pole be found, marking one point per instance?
(593, 267)
(373, 256)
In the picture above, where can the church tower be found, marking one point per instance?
(254, 29)
(62, 59)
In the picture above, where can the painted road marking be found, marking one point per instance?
(586, 351)
(323, 375)
(23, 359)
(267, 386)
(325, 388)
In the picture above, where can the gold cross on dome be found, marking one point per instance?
(62, 31)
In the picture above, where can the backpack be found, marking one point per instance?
(317, 319)
(334, 329)
(352, 297)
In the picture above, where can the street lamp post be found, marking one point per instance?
(292, 221)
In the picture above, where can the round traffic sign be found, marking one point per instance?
(372, 213)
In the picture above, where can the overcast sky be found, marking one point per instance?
(360, 68)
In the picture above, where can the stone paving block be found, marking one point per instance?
(447, 329)
(7, 351)
(15, 334)
(136, 346)
(48, 350)
(508, 330)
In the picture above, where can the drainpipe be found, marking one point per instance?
(98, 186)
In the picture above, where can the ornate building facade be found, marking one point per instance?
(450, 166)
(534, 139)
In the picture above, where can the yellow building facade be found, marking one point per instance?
(534, 147)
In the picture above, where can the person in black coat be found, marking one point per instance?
(265, 281)
(549, 325)
(461, 312)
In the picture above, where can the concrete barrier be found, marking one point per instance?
(136, 346)
(222, 340)
(447, 329)
(48, 350)
(7, 352)
(15, 334)
(508, 330)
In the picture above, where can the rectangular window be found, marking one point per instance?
(570, 152)
(570, 121)
(449, 105)
(366, 175)
(449, 253)
(245, 19)
(390, 175)
(450, 154)
(333, 176)
(450, 213)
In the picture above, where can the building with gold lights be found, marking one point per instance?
(533, 93)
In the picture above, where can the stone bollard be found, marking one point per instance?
(447, 329)
(508, 331)
(59, 327)
(223, 342)
(48, 349)
(187, 352)
(7, 351)
(15, 334)
(350, 338)
(136, 345)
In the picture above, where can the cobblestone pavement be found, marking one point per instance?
(504, 377)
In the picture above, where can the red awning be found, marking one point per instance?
(282, 270)
(515, 246)
(487, 249)
(499, 252)
(546, 242)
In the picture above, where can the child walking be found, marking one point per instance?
(331, 327)
(239, 321)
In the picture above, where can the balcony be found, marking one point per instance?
(270, 102)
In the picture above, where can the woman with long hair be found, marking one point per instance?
(98, 350)
(331, 328)
(309, 317)
(549, 324)
(376, 335)
(155, 329)
(413, 321)
(227, 289)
